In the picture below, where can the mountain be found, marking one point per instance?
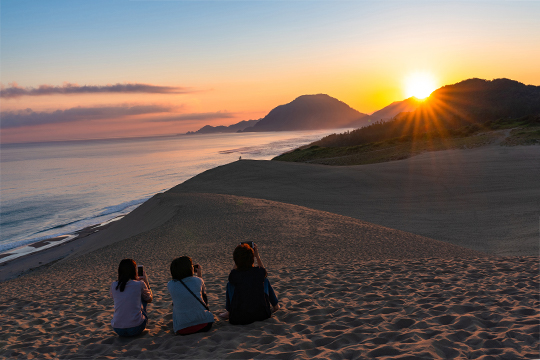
(479, 101)
(208, 129)
(310, 112)
(390, 111)
(465, 106)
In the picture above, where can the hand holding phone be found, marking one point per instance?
(249, 243)
(197, 270)
(140, 270)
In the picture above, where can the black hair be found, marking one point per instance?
(243, 256)
(181, 267)
(127, 270)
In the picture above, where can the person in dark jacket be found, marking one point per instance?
(249, 295)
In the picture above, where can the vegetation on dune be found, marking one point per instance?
(404, 127)
(523, 131)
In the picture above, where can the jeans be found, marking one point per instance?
(134, 331)
(267, 290)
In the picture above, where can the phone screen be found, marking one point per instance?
(140, 270)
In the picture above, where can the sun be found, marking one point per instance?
(420, 85)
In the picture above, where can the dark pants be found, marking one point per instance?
(134, 331)
(267, 290)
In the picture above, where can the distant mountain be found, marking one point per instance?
(471, 103)
(310, 112)
(224, 129)
(390, 111)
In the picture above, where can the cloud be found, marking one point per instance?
(14, 90)
(14, 119)
(196, 116)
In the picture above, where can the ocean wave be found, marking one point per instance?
(17, 244)
(105, 215)
(121, 207)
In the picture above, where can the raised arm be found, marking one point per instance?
(257, 256)
(198, 270)
(146, 292)
(145, 278)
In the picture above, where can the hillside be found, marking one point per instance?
(468, 114)
(310, 112)
(208, 129)
(390, 111)
(472, 103)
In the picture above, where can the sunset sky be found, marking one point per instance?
(106, 69)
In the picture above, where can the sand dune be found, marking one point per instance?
(349, 289)
(486, 199)
(401, 309)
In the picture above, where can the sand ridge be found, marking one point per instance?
(344, 294)
(486, 199)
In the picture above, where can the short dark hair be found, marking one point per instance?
(181, 267)
(243, 256)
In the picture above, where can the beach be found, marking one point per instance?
(377, 261)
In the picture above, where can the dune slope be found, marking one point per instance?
(348, 289)
(486, 199)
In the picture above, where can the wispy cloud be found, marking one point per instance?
(196, 116)
(13, 119)
(14, 90)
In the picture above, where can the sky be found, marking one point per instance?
(108, 69)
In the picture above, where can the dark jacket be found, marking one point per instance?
(249, 302)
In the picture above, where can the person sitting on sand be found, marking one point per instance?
(130, 293)
(190, 305)
(249, 295)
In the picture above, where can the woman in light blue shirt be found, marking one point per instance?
(190, 304)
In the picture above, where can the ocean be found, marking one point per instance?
(56, 188)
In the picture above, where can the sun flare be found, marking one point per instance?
(420, 85)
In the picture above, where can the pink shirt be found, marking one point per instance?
(127, 304)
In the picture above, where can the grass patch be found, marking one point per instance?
(528, 135)
(393, 149)
(524, 131)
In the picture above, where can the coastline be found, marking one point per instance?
(48, 208)
(48, 243)
(304, 185)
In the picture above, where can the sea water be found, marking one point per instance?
(56, 188)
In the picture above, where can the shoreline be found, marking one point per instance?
(48, 243)
(217, 180)
(51, 213)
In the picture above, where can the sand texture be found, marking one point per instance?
(486, 199)
(349, 289)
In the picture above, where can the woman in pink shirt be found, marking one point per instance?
(130, 293)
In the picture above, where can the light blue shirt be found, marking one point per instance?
(187, 311)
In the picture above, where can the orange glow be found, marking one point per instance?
(420, 85)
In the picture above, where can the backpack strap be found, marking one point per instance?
(195, 296)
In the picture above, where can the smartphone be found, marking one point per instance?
(140, 270)
(195, 267)
(250, 243)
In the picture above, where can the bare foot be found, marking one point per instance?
(224, 315)
(276, 308)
